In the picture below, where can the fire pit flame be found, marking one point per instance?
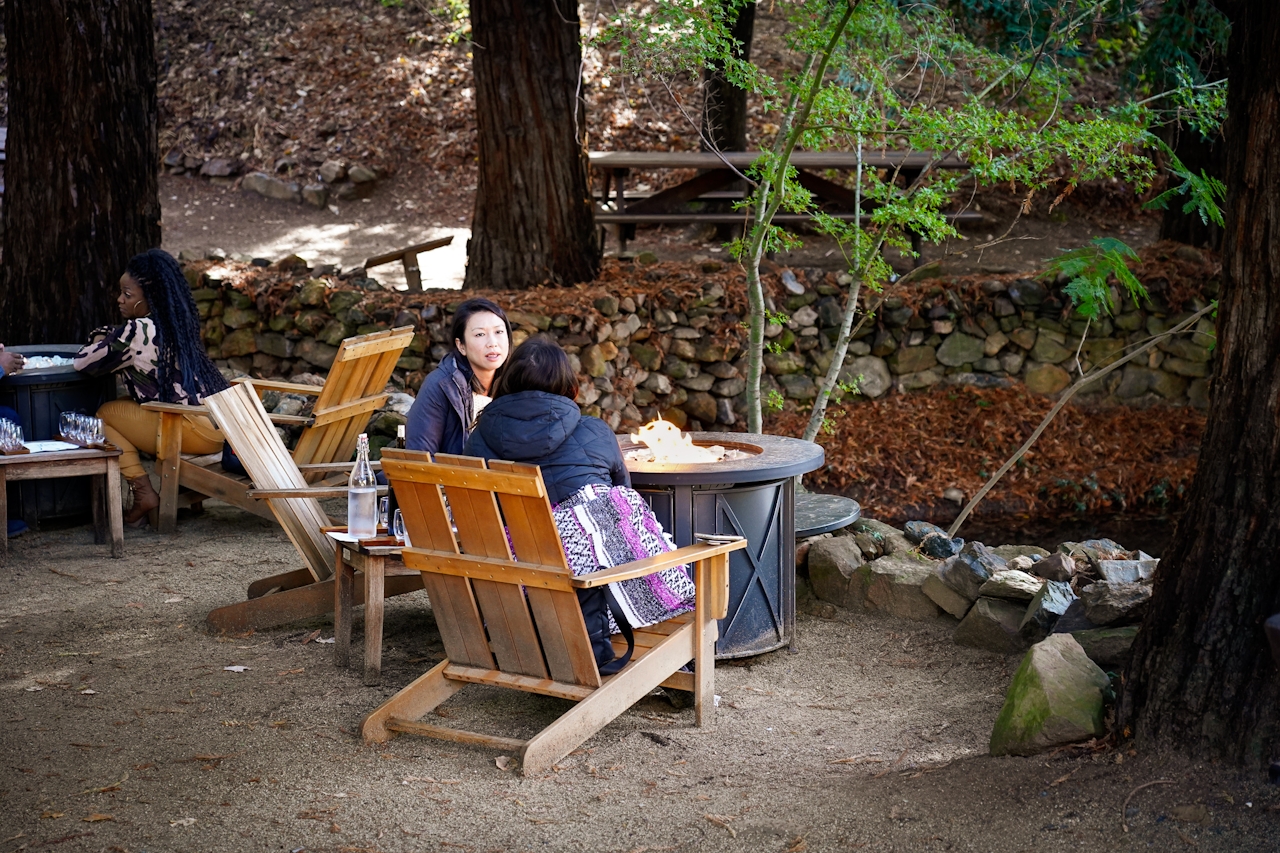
(667, 444)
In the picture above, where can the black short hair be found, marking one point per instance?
(458, 331)
(539, 364)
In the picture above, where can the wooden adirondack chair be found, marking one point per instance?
(306, 592)
(515, 622)
(354, 389)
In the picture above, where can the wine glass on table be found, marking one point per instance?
(398, 528)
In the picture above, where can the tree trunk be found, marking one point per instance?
(1201, 677)
(533, 221)
(1197, 154)
(724, 105)
(81, 188)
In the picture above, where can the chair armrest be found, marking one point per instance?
(175, 408)
(287, 387)
(322, 492)
(334, 466)
(639, 568)
(290, 420)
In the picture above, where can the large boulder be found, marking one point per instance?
(833, 571)
(1107, 603)
(959, 348)
(893, 584)
(1056, 697)
(992, 624)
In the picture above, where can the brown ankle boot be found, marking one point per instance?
(145, 499)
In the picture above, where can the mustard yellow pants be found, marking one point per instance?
(132, 428)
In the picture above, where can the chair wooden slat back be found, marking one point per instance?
(353, 390)
(246, 425)
(535, 538)
(532, 630)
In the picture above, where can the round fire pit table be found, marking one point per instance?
(752, 496)
(40, 396)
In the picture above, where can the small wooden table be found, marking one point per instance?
(369, 557)
(102, 465)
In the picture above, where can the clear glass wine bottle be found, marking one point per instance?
(362, 494)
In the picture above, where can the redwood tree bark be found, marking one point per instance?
(533, 221)
(724, 105)
(1201, 677)
(80, 176)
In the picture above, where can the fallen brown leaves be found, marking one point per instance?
(898, 454)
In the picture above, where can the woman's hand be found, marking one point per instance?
(11, 362)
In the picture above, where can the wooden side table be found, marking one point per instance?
(102, 465)
(369, 558)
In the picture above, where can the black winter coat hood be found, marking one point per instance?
(548, 431)
(529, 425)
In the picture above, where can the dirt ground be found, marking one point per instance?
(200, 216)
(123, 730)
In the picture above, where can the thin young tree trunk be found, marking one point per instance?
(81, 163)
(768, 199)
(1201, 677)
(533, 221)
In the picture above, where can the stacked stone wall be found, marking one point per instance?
(670, 341)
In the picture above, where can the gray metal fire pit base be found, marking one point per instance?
(752, 497)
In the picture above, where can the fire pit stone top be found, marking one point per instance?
(763, 458)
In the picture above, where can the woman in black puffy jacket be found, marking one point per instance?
(602, 521)
(533, 418)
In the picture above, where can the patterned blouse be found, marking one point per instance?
(132, 351)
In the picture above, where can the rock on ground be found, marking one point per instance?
(1051, 601)
(1056, 697)
(878, 537)
(833, 571)
(944, 596)
(1108, 646)
(893, 586)
(1058, 567)
(1011, 584)
(1107, 603)
(992, 624)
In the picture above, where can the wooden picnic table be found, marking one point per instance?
(716, 181)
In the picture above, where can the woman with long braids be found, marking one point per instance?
(160, 356)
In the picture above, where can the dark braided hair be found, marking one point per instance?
(182, 360)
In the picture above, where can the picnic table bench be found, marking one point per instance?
(714, 183)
